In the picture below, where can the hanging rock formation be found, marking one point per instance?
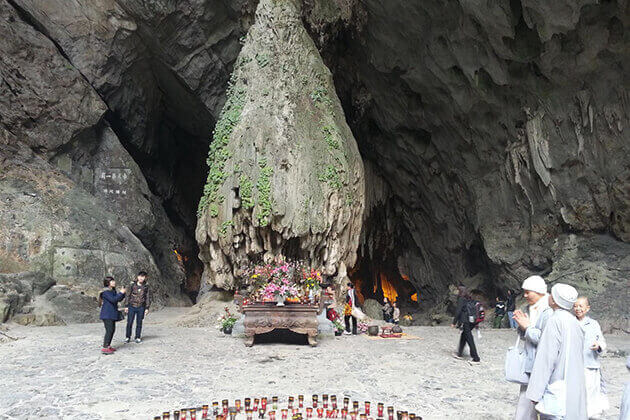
(286, 178)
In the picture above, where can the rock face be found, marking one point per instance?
(499, 128)
(71, 198)
(493, 140)
(286, 178)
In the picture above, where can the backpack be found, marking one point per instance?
(476, 312)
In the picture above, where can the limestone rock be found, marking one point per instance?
(286, 178)
(597, 265)
(74, 187)
(63, 231)
(373, 309)
(70, 306)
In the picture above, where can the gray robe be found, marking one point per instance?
(549, 366)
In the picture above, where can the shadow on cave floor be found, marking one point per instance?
(281, 336)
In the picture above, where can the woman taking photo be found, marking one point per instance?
(108, 300)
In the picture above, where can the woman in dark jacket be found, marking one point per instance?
(462, 319)
(388, 310)
(108, 300)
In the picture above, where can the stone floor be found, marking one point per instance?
(58, 372)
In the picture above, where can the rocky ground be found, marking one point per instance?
(55, 372)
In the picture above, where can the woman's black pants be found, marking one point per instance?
(347, 318)
(110, 327)
(467, 338)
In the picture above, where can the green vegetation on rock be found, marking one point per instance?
(331, 176)
(246, 191)
(224, 227)
(219, 152)
(329, 132)
(263, 185)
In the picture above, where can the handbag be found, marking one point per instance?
(515, 360)
(554, 399)
(358, 313)
(121, 316)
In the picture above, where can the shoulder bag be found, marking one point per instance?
(515, 360)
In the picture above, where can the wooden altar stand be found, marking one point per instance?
(265, 317)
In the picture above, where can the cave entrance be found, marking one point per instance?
(193, 268)
(382, 279)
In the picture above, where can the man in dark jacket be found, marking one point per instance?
(466, 320)
(137, 305)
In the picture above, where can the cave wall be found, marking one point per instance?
(494, 134)
(72, 197)
(502, 129)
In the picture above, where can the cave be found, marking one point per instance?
(427, 145)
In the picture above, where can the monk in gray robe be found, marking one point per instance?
(531, 322)
(560, 358)
(625, 399)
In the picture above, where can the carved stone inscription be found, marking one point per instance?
(113, 182)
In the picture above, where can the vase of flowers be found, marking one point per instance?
(283, 282)
(227, 321)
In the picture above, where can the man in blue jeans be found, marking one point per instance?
(137, 304)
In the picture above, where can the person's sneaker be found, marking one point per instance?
(111, 348)
(457, 356)
(138, 340)
(347, 333)
(127, 340)
(106, 350)
(474, 362)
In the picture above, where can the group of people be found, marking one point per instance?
(503, 308)
(391, 311)
(137, 299)
(561, 346)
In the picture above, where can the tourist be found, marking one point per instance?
(329, 296)
(556, 384)
(531, 322)
(396, 314)
(466, 321)
(499, 313)
(594, 345)
(351, 303)
(137, 305)
(108, 301)
(388, 310)
(510, 306)
(625, 398)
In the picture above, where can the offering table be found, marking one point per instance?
(262, 318)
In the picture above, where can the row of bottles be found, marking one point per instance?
(259, 407)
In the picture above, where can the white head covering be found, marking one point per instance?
(535, 284)
(564, 295)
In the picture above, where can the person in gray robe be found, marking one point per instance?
(560, 358)
(625, 400)
(531, 322)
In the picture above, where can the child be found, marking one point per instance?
(594, 345)
(396, 315)
(499, 313)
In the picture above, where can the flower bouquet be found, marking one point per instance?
(226, 321)
(292, 282)
(334, 317)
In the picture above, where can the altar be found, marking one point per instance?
(262, 318)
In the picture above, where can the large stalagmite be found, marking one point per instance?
(286, 178)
